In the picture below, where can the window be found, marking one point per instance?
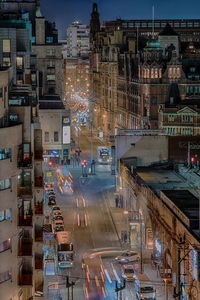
(49, 39)
(51, 77)
(192, 69)
(51, 63)
(55, 136)
(50, 52)
(187, 119)
(5, 184)
(171, 118)
(6, 61)
(154, 101)
(33, 39)
(6, 46)
(5, 153)
(19, 62)
(46, 136)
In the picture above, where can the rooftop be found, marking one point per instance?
(51, 102)
(177, 189)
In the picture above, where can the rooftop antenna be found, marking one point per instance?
(153, 21)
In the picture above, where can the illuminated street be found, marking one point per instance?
(90, 214)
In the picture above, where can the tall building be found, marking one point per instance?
(21, 156)
(49, 56)
(77, 40)
(132, 69)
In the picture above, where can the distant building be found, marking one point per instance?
(49, 56)
(77, 40)
(55, 122)
(133, 66)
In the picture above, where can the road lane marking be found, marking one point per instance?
(108, 276)
(115, 273)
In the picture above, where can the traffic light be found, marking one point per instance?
(192, 159)
(50, 163)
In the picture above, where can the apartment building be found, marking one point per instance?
(55, 122)
(21, 194)
(49, 56)
(78, 40)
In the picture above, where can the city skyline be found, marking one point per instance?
(65, 13)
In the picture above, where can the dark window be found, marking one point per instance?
(55, 136)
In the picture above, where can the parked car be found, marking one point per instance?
(146, 292)
(56, 207)
(56, 213)
(59, 228)
(58, 217)
(128, 272)
(52, 202)
(52, 194)
(59, 223)
(127, 257)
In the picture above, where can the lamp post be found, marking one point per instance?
(91, 145)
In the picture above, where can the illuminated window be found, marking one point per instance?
(19, 62)
(6, 61)
(51, 77)
(6, 46)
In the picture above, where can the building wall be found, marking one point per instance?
(168, 225)
(138, 147)
(10, 137)
(51, 63)
(52, 121)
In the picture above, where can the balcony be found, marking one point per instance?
(39, 181)
(25, 220)
(25, 163)
(38, 233)
(38, 261)
(24, 191)
(38, 209)
(25, 276)
(39, 154)
(25, 247)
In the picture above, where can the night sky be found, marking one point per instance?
(64, 12)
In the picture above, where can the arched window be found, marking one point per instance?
(156, 73)
(147, 73)
(160, 73)
(152, 73)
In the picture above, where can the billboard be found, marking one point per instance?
(66, 135)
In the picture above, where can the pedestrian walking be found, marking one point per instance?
(116, 202)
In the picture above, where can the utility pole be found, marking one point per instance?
(188, 156)
(91, 144)
(68, 285)
(141, 254)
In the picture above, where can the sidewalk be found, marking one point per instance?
(121, 224)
